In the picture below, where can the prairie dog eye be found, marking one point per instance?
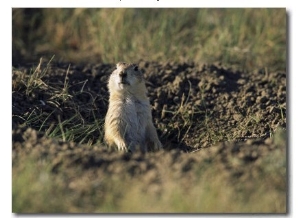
(136, 68)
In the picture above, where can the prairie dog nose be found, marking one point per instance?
(122, 74)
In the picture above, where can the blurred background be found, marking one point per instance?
(248, 38)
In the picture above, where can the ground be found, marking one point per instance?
(223, 129)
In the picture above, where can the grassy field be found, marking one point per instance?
(248, 38)
(66, 105)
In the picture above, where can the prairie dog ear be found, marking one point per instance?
(119, 64)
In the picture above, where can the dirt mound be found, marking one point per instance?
(210, 118)
(70, 154)
(206, 103)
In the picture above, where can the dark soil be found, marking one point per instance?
(203, 112)
(187, 99)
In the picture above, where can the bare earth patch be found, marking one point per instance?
(223, 131)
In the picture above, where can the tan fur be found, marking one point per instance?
(128, 122)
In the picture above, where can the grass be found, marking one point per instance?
(68, 127)
(249, 38)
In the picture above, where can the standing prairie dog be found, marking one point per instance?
(128, 122)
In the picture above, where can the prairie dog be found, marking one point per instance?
(128, 122)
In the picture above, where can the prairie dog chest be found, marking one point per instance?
(135, 112)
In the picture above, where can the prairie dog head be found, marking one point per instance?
(125, 77)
